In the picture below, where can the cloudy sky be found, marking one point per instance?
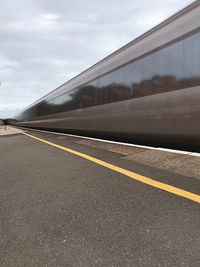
(44, 43)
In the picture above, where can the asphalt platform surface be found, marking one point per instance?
(58, 209)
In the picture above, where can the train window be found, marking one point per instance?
(192, 61)
(112, 88)
(60, 100)
(87, 95)
(60, 103)
(81, 97)
(40, 109)
(162, 78)
(144, 69)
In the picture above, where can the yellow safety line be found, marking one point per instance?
(135, 176)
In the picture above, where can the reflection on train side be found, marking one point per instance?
(174, 67)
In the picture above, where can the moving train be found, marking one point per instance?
(147, 91)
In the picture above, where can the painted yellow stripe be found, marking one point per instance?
(135, 176)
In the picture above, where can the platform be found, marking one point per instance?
(7, 130)
(68, 201)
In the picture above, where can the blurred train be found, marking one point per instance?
(147, 91)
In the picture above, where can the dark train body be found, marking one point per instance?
(147, 91)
